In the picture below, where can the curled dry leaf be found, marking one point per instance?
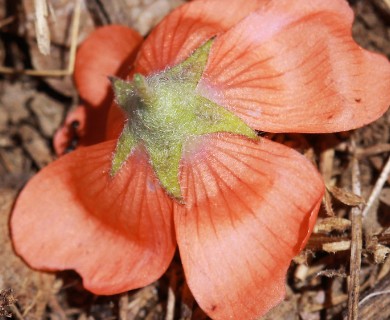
(345, 196)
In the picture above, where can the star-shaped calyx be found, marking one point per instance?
(164, 110)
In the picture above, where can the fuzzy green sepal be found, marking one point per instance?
(164, 111)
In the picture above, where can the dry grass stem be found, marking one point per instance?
(42, 26)
(170, 315)
(15, 311)
(123, 306)
(377, 188)
(326, 169)
(373, 295)
(374, 150)
(356, 247)
(173, 285)
(57, 309)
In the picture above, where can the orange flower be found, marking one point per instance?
(188, 169)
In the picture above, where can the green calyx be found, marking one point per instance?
(165, 110)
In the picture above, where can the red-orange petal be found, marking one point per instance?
(116, 120)
(109, 50)
(292, 66)
(85, 126)
(116, 232)
(68, 136)
(186, 28)
(249, 209)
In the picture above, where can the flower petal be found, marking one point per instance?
(85, 126)
(68, 136)
(292, 66)
(116, 120)
(249, 209)
(108, 51)
(116, 232)
(186, 29)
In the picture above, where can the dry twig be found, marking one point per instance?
(173, 285)
(377, 188)
(356, 247)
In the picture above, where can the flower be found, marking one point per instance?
(187, 168)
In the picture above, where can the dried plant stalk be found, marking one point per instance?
(377, 188)
(356, 248)
(42, 26)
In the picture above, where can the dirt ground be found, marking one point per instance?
(32, 107)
